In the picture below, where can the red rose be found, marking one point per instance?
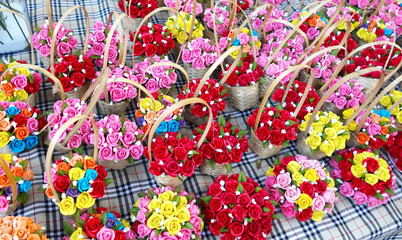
(172, 141)
(231, 185)
(158, 38)
(287, 160)
(244, 145)
(171, 168)
(61, 183)
(347, 155)
(20, 119)
(307, 188)
(251, 120)
(215, 190)
(305, 215)
(258, 198)
(208, 215)
(266, 223)
(227, 236)
(161, 153)
(270, 206)
(78, 78)
(100, 169)
(198, 111)
(170, 43)
(304, 28)
(135, 226)
(380, 186)
(188, 169)
(215, 204)
(150, 50)
(395, 151)
(372, 164)
(244, 200)
(92, 227)
(61, 68)
(119, 235)
(228, 198)
(222, 157)
(236, 155)
(145, 12)
(162, 50)
(277, 137)
(66, 83)
(321, 186)
(345, 165)
(77, 66)
(357, 183)
(239, 213)
(90, 72)
(254, 228)
(369, 190)
(207, 151)
(255, 211)
(134, 11)
(279, 168)
(278, 124)
(155, 169)
(232, 80)
(138, 49)
(70, 59)
(346, 175)
(248, 187)
(236, 229)
(180, 153)
(244, 80)
(291, 134)
(215, 228)
(284, 115)
(147, 38)
(188, 144)
(262, 133)
(98, 187)
(197, 159)
(42, 123)
(222, 217)
(218, 143)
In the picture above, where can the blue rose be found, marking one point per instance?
(162, 128)
(17, 146)
(323, 19)
(25, 186)
(111, 215)
(12, 110)
(255, 33)
(91, 174)
(83, 184)
(236, 42)
(377, 112)
(384, 113)
(173, 126)
(31, 141)
(121, 226)
(388, 32)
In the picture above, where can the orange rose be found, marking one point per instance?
(49, 193)
(96, 215)
(63, 166)
(2, 114)
(384, 130)
(18, 171)
(23, 221)
(145, 129)
(315, 17)
(232, 33)
(33, 237)
(6, 75)
(6, 236)
(246, 48)
(2, 67)
(34, 227)
(75, 159)
(26, 113)
(312, 22)
(176, 112)
(6, 229)
(44, 237)
(5, 125)
(21, 232)
(362, 138)
(90, 163)
(375, 118)
(4, 181)
(21, 133)
(8, 89)
(7, 221)
(28, 175)
(320, 23)
(138, 113)
(150, 117)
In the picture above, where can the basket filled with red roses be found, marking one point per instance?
(138, 10)
(395, 151)
(237, 206)
(172, 157)
(225, 144)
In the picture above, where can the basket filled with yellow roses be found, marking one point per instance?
(165, 212)
(393, 103)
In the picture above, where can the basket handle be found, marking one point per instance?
(29, 31)
(11, 179)
(53, 143)
(396, 104)
(122, 47)
(49, 15)
(169, 110)
(271, 89)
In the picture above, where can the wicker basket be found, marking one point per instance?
(263, 88)
(353, 141)
(209, 34)
(243, 98)
(10, 209)
(136, 23)
(176, 49)
(219, 169)
(79, 92)
(257, 146)
(45, 62)
(398, 126)
(30, 100)
(331, 107)
(305, 150)
(59, 147)
(111, 164)
(7, 150)
(229, 60)
(195, 73)
(167, 180)
(192, 118)
(116, 108)
(304, 77)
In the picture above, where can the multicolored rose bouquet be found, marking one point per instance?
(23, 178)
(65, 41)
(78, 181)
(303, 188)
(312, 26)
(224, 145)
(178, 30)
(236, 206)
(222, 13)
(21, 228)
(394, 9)
(327, 135)
(164, 212)
(395, 151)
(152, 39)
(248, 40)
(99, 224)
(389, 100)
(187, 7)
(138, 8)
(97, 44)
(363, 175)
(173, 155)
(349, 13)
(375, 30)
(19, 126)
(294, 96)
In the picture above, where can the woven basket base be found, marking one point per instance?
(243, 98)
(229, 60)
(220, 169)
(353, 141)
(192, 118)
(45, 62)
(305, 150)
(304, 77)
(263, 88)
(10, 209)
(136, 23)
(367, 83)
(398, 126)
(176, 49)
(7, 150)
(195, 73)
(168, 181)
(30, 100)
(209, 34)
(79, 93)
(257, 146)
(331, 107)
(59, 147)
(120, 165)
(117, 108)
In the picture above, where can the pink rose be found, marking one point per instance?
(329, 195)
(244, 38)
(63, 49)
(91, 139)
(292, 194)
(75, 141)
(98, 48)
(272, 69)
(137, 150)
(300, 158)
(122, 153)
(44, 50)
(152, 85)
(70, 112)
(99, 36)
(326, 63)
(131, 92)
(362, 3)
(19, 81)
(336, 173)
(32, 124)
(143, 203)
(352, 103)
(284, 180)
(196, 53)
(374, 129)
(199, 63)
(130, 234)
(373, 201)
(209, 59)
(112, 139)
(106, 153)
(196, 221)
(98, 26)
(128, 139)
(85, 127)
(113, 123)
(312, 33)
(194, 210)
(165, 82)
(299, 48)
(53, 172)
(340, 102)
(318, 203)
(288, 209)
(53, 132)
(143, 230)
(326, 74)
(270, 181)
(257, 23)
(3, 204)
(113, 54)
(185, 234)
(275, 195)
(345, 89)
(317, 72)
(72, 42)
(105, 234)
(141, 216)
(118, 95)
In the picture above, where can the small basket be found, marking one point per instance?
(305, 150)
(59, 147)
(195, 73)
(30, 100)
(116, 108)
(263, 88)
(111, 164)
(189, 117)
(398, 126)
(257, 146)
(243, 98)
(79, 92)
(14, 188)
(167, 180)
(219, 169)
(176, 49)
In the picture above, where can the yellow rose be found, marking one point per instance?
(338, 126)
(167, 97)
(317, 216)
(188, 26)
(3, 96)
(358, 170)
(158, 106)
(358, 158)
(145, 104)
(342, 26)
(328, 147)
(154, 204)
(78, 234)
(370, 37)
(201, 225)
(332, 115)
(298, 177)
(394, 111)
(382, 163)
(76, 174)
(293, 166)
(84, 200)
(175, 33)
(166, 196)
(155, 221)
(383, 174)
(311, 175)
(304, 13)
(67, 206)
(12, 64)
(4, 139)
(234, 54)
(355, 25)
(24, 71)
(323, 120)
(295, 21)
(304, 201)
(245, 30)
(382, 26)
(125, 223)
(340, 143)
(258, 44)
(348, 113)
(303, 126)
(182, 202)
(313, 141)
(368, 154)
(332, 183)
(270, 172)
(331, 134)
(386, 101)
(399, 117)
(197, 33)
(183, 214)
(371, 179)
(136, 203)
(182, 37)
(361, 33)
(180, 24)
(307, 117)
(168, 209)
(318, 127)
(21, 93)
(396, 95)
(352, 126)
(199, 26)
(7, 157)
(173, 226)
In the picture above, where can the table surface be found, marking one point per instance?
(347, 221)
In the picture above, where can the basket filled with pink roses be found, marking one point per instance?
(222, 13)
(138, 10)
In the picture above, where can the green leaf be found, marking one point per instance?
(274, 216)
(240, 188)
(327, 205)
(390, 191)
(222, 132)
(221, 121)
(338, 158)
(61, 173)
(277, 162)
(135, 211)
(78, 150)
(177, 190)
(37, 29)
(188, 225)
(79, 165)
(223, 230)
(189, 197)
(211, 163)
(92, 211)
(108, 181)
(118, 226)
(141, 195)
(206, 199)
(103, 218)
(43, 41)
(69, 155)
(200, 131)
(130, 159)
(123, 119)
(179, 136)
(79, 223)
(265, 210)
(152, 194)
(149, 214)
(31, 79)
(241, 134)
(223, 92)
(242, 177)
(291, 123)
(76, 214)
(379, 196)
(65, 105)
(22, 197)
(23, 164)
(39, 232)
(265, 144)
(68, 229)
(285, 143)
(382, 137)
(274, 202)
(281, 191)
(315, 151)
(229, 167)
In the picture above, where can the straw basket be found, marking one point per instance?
(176, 49)
(304, 77)
(78, 92)
(14, 202)
(7, 150)
(30, 100)
(115, 165)
(167, 180)
(136, 23)
(243, 98)
(195, 73)
(331, 107)
(257, 146)
(398, 126)
(192, 118)
(219, 169)
(209, 34)
(59, 147)
(305, 150)
(263, 88)
(353, 141)
(115, 108)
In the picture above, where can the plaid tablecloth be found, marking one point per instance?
(347, 221)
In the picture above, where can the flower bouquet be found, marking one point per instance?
(185, 6)
(243, 83)
(41, 41)
(303, 188)
(236, 206)
(18, 84)
(75, 73)
(312, 26)
(246, 39)
(211, 92)
(165, 212)
(222, 13)
(327, 135)
(363, 176)
(21, 228)
(77, 180)
(393, 9)
(20, 125)
(224, 145)
(389, 101)
(119, 142)
(151, 40)
(16, 180)
(137, 10)
(395, 151)
(257, 19)
(99, 224)
(275, 129)
(348, 12)
(97, 45)
(373, 31)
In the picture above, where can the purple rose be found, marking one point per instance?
(182, 123)
(110, 223)
(346, 189)
(73, 192)
(141, 121)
